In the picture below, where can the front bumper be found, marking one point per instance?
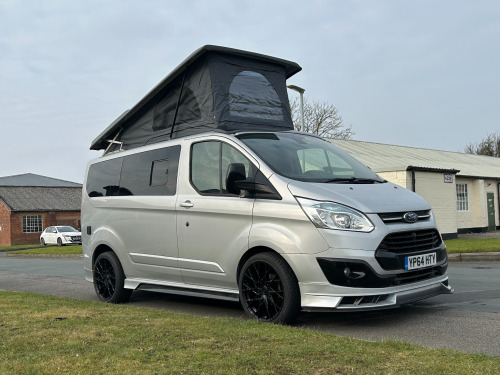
(325, 297)
(73, 240)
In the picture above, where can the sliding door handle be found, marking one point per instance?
(187, 204)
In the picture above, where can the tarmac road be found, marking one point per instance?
(468, 321)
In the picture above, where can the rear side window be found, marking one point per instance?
(103, 179)
(146, 173)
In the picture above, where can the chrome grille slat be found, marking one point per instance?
(397, 217)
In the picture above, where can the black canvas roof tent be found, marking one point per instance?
(214, 89)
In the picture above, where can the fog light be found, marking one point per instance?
(353, 274)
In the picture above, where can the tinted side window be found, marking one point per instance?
(150, 173)
(104, 178)
(147, 173)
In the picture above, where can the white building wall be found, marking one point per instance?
(477, 215)
(441, 196)
(478, 204)
(397, 177)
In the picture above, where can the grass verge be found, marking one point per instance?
(472, 245)
(17, 247)
(49, 335)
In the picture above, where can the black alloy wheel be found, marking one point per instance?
(109, 279)
(59, 241)
(269, 290)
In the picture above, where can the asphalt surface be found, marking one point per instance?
(467, 321)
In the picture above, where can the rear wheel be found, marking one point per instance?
(42, 242)
(269, 290)
(109, 279)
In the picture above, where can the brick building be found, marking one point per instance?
(463, 189)
(29, 203)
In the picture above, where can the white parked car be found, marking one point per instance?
(60, 235)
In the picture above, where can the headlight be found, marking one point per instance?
(335, 216)
(67, 237)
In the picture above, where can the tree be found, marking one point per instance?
(490, 146)
(320, 118)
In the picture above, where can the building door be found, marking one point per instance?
(490, 198)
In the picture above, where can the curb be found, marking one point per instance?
(474, 257)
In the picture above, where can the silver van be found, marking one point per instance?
(206, 190)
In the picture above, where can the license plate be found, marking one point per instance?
(420, 261)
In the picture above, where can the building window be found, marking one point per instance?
(32, 224)
(462, 198)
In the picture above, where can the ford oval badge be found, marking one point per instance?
(410, 217)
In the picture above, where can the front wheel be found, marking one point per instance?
(109, 279)
(269, 290)
(59, 241)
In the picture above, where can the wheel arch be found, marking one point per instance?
(257, 250)
(101, 249)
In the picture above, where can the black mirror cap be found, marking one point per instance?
(259, 188)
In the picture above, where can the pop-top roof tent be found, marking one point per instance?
(214, 89)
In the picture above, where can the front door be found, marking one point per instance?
(490, 198)
(213, 225)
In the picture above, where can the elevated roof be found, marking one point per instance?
(31, 179)
(193, 98)
(388, 158)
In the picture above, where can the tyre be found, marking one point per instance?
(42, 242)
(109, 279)
(59, 241)
(269, 290)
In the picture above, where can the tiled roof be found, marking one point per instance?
(36, 199)
(31, 179)
(384, 158)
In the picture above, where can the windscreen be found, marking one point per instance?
(308, 158)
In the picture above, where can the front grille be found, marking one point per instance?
(398, 217)
(410, 242)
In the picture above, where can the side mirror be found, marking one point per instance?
(235, 172)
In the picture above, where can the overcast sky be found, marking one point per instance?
(415, 73)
